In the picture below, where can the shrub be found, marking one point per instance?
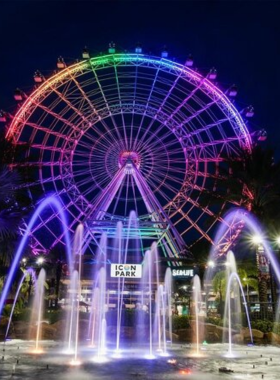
(215, 321)
(54, 316)
(24, 316)
(180, 322)
(262, 325)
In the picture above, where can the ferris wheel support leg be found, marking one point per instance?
(158, 214)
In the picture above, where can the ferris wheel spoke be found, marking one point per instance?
(61, 237)
(193, 224)
(63, 97)
(218, 177)
(93, 186)
(101, 185)
(195, 114)
(153, 142)
(145, 111)
(160, 107)
(156, 184)
(126, 197)
(42, 181)
(185, 101)
(36, 164)
(157, 189)
(89, 102)
(82, 92)
(134, 195)
(118, 196)
(105, 99)
(182, 199)
(120, 103)
(46, 130)
(53, 216)
(131, 142)
(212, 144)
(207, 127)
(55, 115)
(46, 148)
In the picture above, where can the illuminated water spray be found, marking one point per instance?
(38, 309)
(50, 201)
(28, 272)
(229, 311)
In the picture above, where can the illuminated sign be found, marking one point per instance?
(182, 272)
(126, 270)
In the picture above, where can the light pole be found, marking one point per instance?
(263, 273)
(272, 281)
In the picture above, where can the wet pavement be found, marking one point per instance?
(256, 362)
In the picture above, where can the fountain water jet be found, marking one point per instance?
(197, 305)
(30, 272)
(168, 291)
(77, 250)
(38, 309)
(242, 217)
(231, 267)
(101, 314)
(50, 201)
(235, 276)
(100, 262)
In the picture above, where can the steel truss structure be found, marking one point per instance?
(124, 132)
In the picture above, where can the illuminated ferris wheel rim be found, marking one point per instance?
(99, 62)
(165, 116)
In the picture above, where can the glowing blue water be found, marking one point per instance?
(243, 217)
(50, 201)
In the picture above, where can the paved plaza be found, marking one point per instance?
(257, 362)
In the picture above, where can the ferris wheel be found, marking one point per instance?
(122, 132)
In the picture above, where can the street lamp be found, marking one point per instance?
(24, 260)
(40, 260)
(257, 239)
(211, 264)
(263, 273)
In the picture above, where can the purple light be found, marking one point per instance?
(238, 217)
(50, 201)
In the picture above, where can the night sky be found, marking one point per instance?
(241, 39)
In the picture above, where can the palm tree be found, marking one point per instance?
(248, 279)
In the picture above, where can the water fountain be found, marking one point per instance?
(50, 201)
(156, 293)
(230, 267)
(228, 309)
(38, 308)
(28, 272)
(242, 217)
(168, 290)
(77, 251)
(197, 299)
(71, 324)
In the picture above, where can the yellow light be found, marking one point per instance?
(257, 239)
(211, 263)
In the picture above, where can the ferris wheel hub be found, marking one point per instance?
(129, 160)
